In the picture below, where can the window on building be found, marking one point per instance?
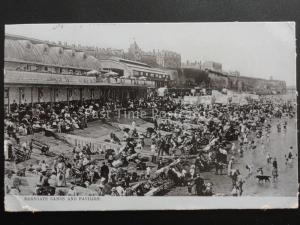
(46, 68)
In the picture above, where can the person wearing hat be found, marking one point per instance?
(104, 171)
(160, 164)
(274, 171)
(250, 169)
(52, 178)
(59, 125)
(114, 192)
(199, 184)
(43, 166)
(139, 146)
(233, 148)
(133, 125)
(192, 171)
(8, 181)
(234, 175)
(198, 164)
(153, 147)
(87, 184)
(120, 189)
(234, 191)
(85, 161)
(240, 182)
(208, 189)
(61, 172)
(289, 157)
(7, 148)
(148, 171)
(275, 163)
(102, 182)
(15, 187)
(230, 165)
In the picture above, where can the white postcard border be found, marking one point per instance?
(110, 203)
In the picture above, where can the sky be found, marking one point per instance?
(256, 49)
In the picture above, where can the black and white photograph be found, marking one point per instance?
(111, 116)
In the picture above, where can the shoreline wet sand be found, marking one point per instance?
(287, 183)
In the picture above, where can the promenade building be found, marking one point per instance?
(189, 77)
(38, 71)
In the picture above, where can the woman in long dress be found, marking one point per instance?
(61, 178)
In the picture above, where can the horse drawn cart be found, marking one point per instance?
(21, 155)
(45, 149)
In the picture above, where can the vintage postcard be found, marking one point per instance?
(136, 116)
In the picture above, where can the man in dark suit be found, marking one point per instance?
(104, 171)
(199, 183)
